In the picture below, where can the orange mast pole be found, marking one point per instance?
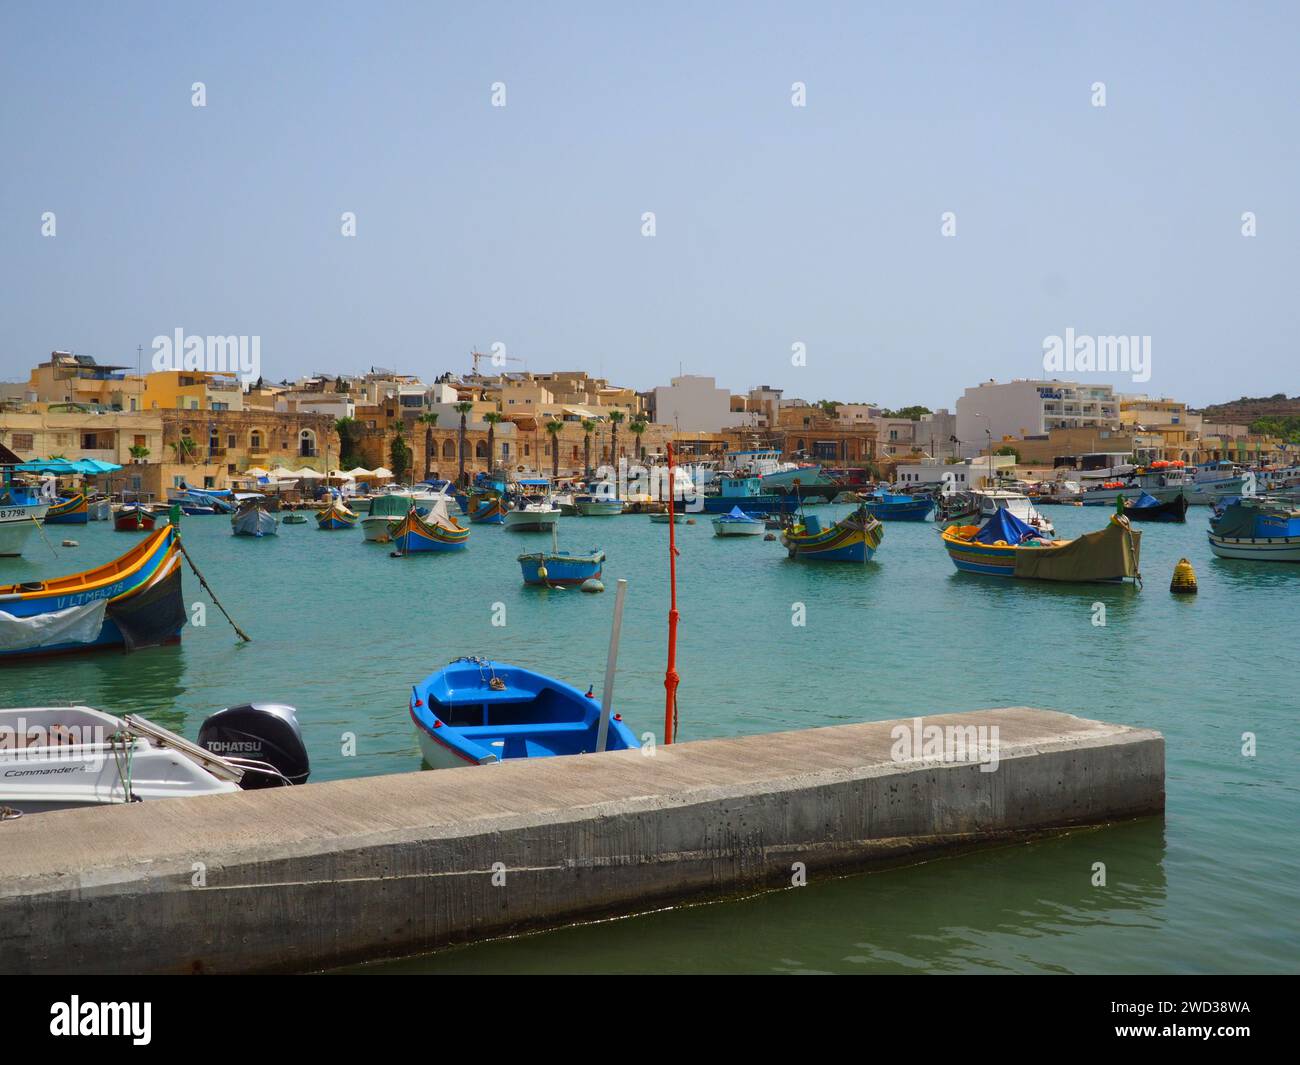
(670, 677)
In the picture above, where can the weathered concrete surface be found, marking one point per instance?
(309, 877)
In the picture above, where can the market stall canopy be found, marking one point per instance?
(341, 475)
(257, 471)
(307, 473)
(284, 471)
(361, 471)
(382, 471)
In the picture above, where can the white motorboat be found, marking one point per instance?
(532, 516)
(991, 500)
(56, 758)
(737, 523)
(17, 523)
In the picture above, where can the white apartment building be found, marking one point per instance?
(1031, 408)
(695, 404)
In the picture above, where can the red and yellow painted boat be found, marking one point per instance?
(336, 516)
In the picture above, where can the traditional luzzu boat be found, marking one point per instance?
(487, 508)
(475, 712)
(336, 515)
(134, 517)
(253, 519)
(1005, 546)
(853, 538)
(1147, 507)
(1259, 530)
(738, 523)
(438, 531)
(134, 601)
(888, 506)
(70, 510)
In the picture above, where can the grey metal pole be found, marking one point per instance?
(611, 664)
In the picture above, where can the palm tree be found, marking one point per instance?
(637, 427)
(462, 409)
(588, 427)
(428, 419)
(139, 452)
(493, 419)
(616, 417)
(554, 428)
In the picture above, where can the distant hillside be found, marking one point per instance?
(1246, 410)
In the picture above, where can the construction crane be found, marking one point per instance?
(476, 355)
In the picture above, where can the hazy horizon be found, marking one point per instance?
(776, 225)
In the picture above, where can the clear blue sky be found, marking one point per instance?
(775, 224)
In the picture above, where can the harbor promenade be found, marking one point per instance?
(326, 874)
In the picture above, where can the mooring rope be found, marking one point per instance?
(242, 634)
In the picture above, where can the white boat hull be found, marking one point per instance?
(17, 526)
(84, 768)
(599, 510)
(1276, 549)
(378, 529)
(736, 528)
(532, 520)
(255, 522)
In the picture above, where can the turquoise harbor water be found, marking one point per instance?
(340, 630)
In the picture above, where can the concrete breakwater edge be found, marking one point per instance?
(305, 878)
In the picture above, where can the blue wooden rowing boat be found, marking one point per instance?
(886, 506)
(474, 712)
(336, 515)
(134, 601)
(561, 567)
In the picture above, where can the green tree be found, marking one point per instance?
(1007, 449)
(616, 419)
(588, 427)
(399, 457)
(139, 452)
(428, 419)
(349, 430)
(493, 419)
(463, 410)
(912, 413)
(554, 428)
(637, 427)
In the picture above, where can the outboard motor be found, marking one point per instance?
(265, 733)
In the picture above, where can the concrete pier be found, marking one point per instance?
(306, 878)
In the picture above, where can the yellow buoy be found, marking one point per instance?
(1184, 581)
(541, 571)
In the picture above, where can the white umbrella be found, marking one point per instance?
(341, 475)
(307, 473)
(383, 471)
(257, 471)
(360, 471)
(284, 471)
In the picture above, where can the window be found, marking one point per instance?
(448, 449)
(255, 440)
(23, 442)
(480, 450)
(230, 440)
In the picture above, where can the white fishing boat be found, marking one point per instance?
(600, 500)
(56, 758)
(17, 523)
(533, 516)
(991, 500)
(737, 523)
(100, 509)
